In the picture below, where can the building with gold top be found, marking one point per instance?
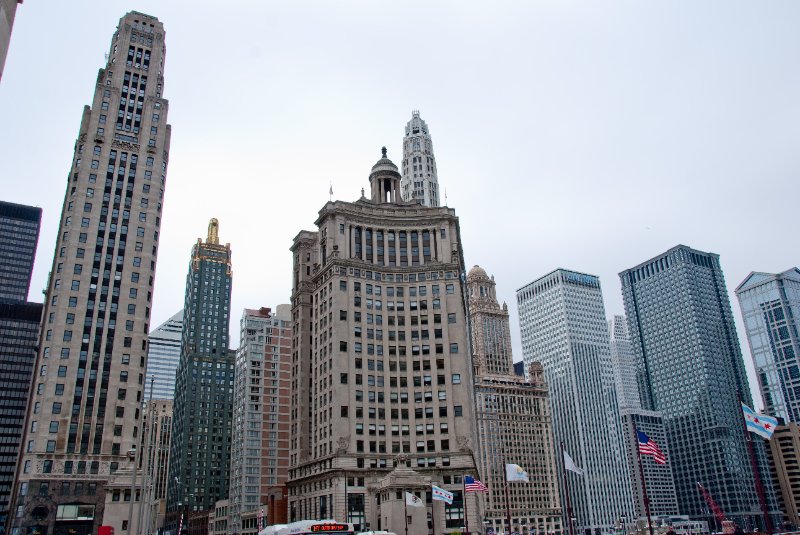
(381, 369)
(199, 471)
(514, 423)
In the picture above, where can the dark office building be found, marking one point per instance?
(199, 471)
(19, 335)
(19, 234)
(689, 367)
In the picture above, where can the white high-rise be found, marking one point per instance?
(419, 182)
(623, 363)
(563, 326)
(163, 354)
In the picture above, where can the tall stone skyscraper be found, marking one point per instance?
(19, 236)
(199, 461)
(514, 422)
(8, 9)
(163, 355)
(419, 183)
(770, 305)
(563, 326)
(381, 372)
(623, 363)
(84, 412)
(690, 368)
(260, 443)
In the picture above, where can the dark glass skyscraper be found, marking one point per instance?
(19, 334)
(201, 430)
(19, 234)
(689, 367)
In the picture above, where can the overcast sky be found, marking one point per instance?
(585, 135)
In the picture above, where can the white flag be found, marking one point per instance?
(514, 472)
(570, 465)
(413, 500)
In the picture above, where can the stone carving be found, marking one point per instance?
(463, 443)
(344, 443)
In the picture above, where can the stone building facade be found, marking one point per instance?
(514, 421)
(420, 181)
(85, 409)
(381, 371)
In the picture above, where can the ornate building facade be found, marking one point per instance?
(420, 182)
(199, 468)
(514, 422)
(84, 414)
(381, 372)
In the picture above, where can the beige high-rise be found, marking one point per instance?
(84, 414)
(514, 421)
(381, 371)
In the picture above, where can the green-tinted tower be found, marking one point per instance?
(201, 428)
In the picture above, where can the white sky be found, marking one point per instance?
(585, 135)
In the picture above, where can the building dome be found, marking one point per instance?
(477, 272)
(383, 166)
(384, 181)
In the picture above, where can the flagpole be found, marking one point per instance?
(756, 474)
(464, 496)
(641, 472)
(405, 508)
(566, 489)
(508, 502)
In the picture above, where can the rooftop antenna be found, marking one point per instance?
(445, 196)
(330, 192)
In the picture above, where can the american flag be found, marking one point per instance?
(473, 485)
(648, 447)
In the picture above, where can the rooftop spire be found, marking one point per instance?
(213, 231)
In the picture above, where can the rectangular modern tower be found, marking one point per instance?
(19, 235)
(563, 326)
(690, 368)
(770, 305)
(381, 372)
(163, 355)
(260, 442)
(84, 413)
(199, 470)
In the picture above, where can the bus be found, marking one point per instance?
(310, 527)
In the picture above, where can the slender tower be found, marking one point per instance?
(563, 326)
(84, 414)
(419, 183)
(199, 473)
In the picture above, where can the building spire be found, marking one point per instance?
(213, 231)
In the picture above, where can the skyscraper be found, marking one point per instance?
(19, 235)
(563, 326)
(690, 368)
(514, 422)
(381, 372)
(199, 471)
(623, 363)
(657, 477)
(770, 305)
(260, 443)
(84, 412)
(163, 355)
(420, 183)
(19, 336)
(8, 9)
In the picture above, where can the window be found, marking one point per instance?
(53, 427)
(456, 378)
(56, 407)
(450, 288)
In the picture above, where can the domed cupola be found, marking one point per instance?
(384, 181)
